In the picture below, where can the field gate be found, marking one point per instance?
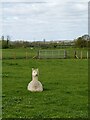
(52, 54)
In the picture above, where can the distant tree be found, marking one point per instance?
(0, 44)
(81, 42)
(86, 37)
(8, 39)
(2, 38)
(88, 43)
(26, 44)
(18, 44)
(4, 44)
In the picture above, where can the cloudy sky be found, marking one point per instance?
(39, 19)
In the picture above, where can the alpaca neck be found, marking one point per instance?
(35, 78)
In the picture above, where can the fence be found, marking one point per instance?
(62, 54)
(17, 55)
(45, 54)
(51, 54)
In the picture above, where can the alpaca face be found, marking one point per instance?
(34, 72)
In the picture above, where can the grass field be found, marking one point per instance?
(65, 92)
(20, 53)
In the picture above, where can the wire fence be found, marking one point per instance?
(46, 54)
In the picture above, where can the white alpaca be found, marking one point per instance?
(35, 85)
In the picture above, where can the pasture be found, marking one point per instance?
(65, 84)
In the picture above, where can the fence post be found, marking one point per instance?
(75, 54)
(87, 54)
(65, 54)
(81, 55)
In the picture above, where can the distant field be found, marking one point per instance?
(65, 92)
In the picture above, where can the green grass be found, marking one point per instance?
(18, 53)
(65, 92)
(30, 53)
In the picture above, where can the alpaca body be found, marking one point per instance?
(35, 85)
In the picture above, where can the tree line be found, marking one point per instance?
(80, 42)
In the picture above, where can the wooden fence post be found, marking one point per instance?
(65, 54)
(87, 54)
(75, 54)
(81, 55)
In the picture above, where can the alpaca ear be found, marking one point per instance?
(32, 69)
(37, 70)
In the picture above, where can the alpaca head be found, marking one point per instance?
(34, 72)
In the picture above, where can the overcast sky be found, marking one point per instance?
(39, 19)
